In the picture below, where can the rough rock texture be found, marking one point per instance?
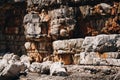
(35, 67)
(40, 23)
(67, 46)
(42, 68)
(58, 68)
(10, 66)
(25, 60)
(101, 43)
(48, 67)
(94, 58)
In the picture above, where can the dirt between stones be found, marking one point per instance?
(80, 72)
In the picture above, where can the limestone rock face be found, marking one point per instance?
(101, 43)
(86, 58)
(54, 29)
(32, 25)
(87, 43)
(113, 62)
(25, 60)
(64, 50)
(94, 57)
(66, 46)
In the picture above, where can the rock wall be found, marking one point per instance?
(53, 29)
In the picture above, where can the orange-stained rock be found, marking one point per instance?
(67, 59)
(76, 59)
(34, 53)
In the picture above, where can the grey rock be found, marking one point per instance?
(8, 56)
(3, 64)
(58, 68)
(54, 30)
(12, 69)
(97, 58)
(25, 60)
(87, 58)
(35, 67)
(114, 62)
(45, 67)
(105, 7)
(32, 29)
(118, 44)
(72, 45)
(87, 43)
(10, 65)
(101, 43)
(31, 17)
(117, 76)
(101, 39)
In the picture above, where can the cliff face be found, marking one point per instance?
(55, 32)
(88, 17)
(37, 23)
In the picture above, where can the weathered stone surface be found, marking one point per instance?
(3, 64)
(48, 67)
(58, 68)
(45, 67)
(35, 67)
(25, 60)
(11, 66)
(103, 38)
(118, 44)
(67, 46)
(92, 57)
(61, 26)
(101, 43)
(64, 58)
(76, 59)
(38, 50)
(114, 62)
(62, 22)
(11, 69)
(87, 43)
(31, 17)
(32, 25)
(65, 50)
(86, 58)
